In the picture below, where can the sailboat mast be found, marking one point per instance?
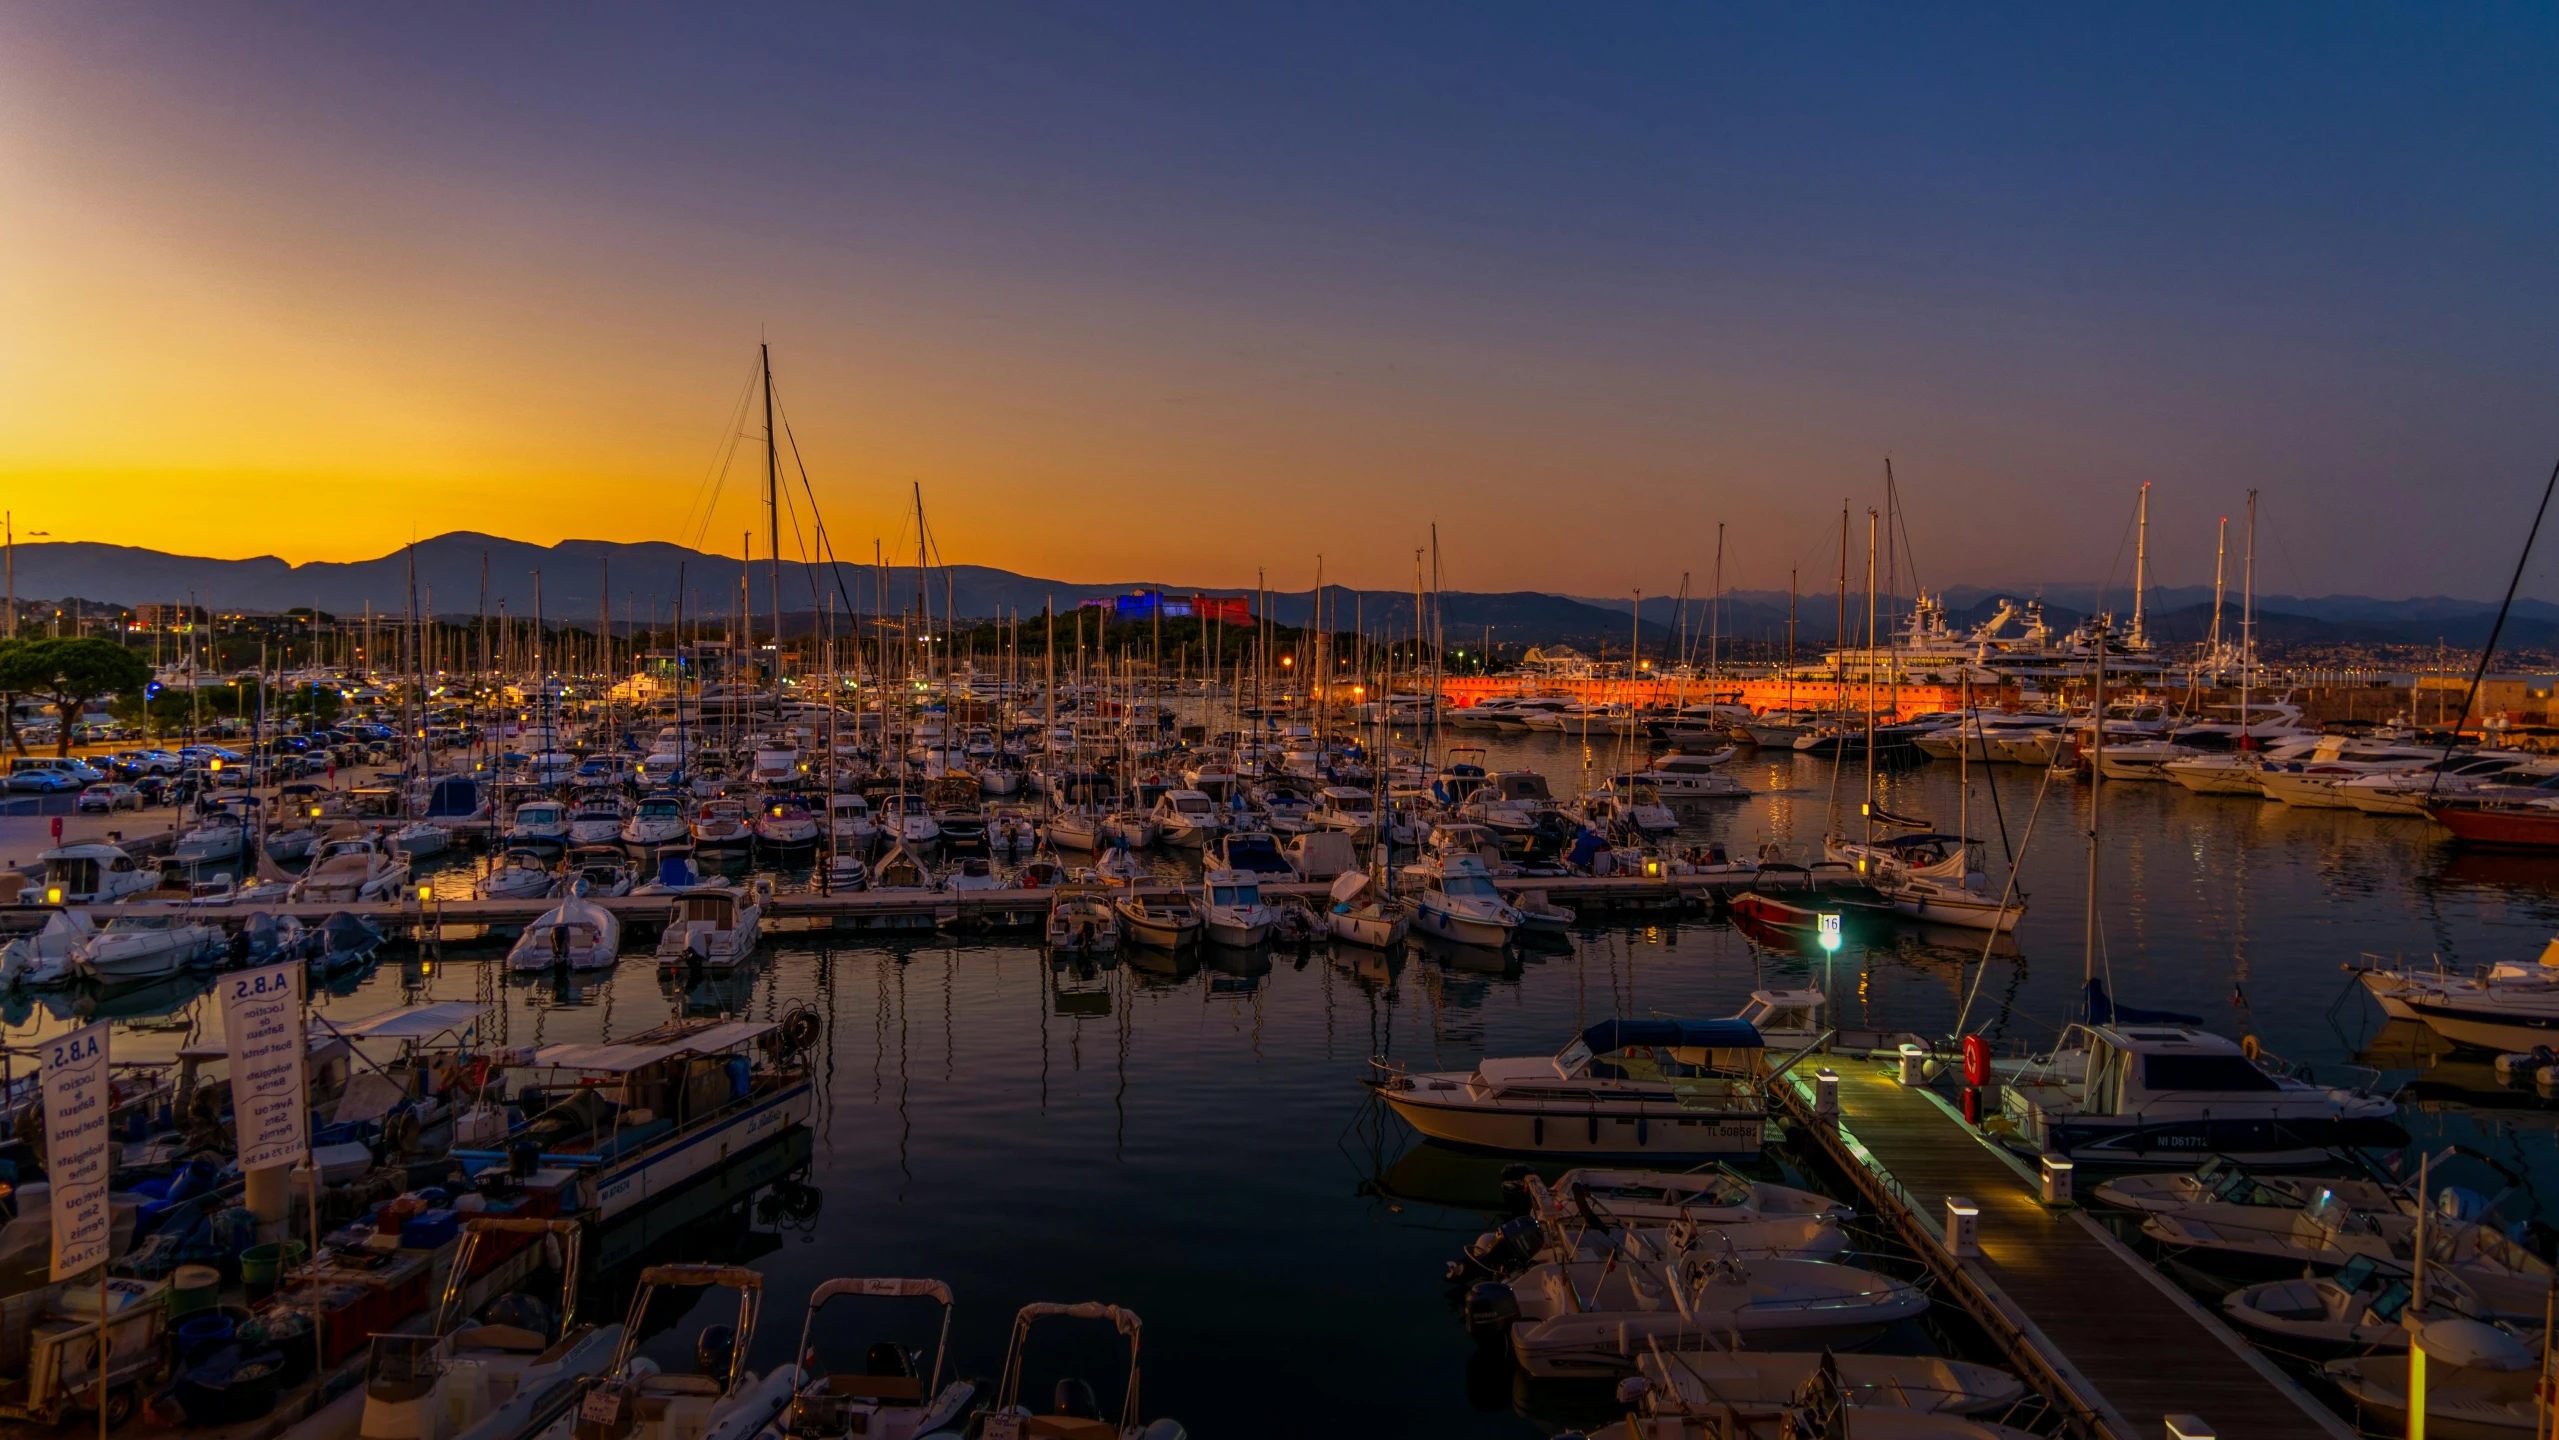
(2248, 623)
(2220, 554)
(772, 512)
(1868, 689)
(2097, 785)
(2141, 563)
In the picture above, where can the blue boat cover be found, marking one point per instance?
(1610, 1035)
(453, 797)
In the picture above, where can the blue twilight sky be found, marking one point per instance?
(1195, 290)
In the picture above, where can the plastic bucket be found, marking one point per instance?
(262, 1266)
(193, 1288)
(200, 1335)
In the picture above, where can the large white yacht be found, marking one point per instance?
(2139, 1094)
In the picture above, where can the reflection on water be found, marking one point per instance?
(1188, 1136)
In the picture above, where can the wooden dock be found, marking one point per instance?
(2114, 1342)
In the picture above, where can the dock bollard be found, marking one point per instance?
(1826, 1094)
(2189, 1427)
(1914, 1059)
(2057, 1173)
(1963, 1228)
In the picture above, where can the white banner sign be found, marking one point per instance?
(76, 1102)
(270, 1105)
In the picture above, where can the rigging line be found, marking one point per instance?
(2132, 522)
(2010, 889)
(817, 517)
(706, 495)
(2489, 650)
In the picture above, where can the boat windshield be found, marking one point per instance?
(1470, 887)
(1236, 895)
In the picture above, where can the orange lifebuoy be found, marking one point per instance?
(2248, 1046)
(1976, 1060)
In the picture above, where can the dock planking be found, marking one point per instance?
(2101, 1322)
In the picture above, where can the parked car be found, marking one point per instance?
(109, 796)
(42, 782)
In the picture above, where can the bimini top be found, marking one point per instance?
(1725, 1034)
(648, 1050)
(417, 1022)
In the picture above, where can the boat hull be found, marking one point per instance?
(1617, 1131)
(2518, 829)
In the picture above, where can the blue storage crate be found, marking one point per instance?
(429, 1229)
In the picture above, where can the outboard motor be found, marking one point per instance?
(1074, 1399)
(1490, 1311)
(1502, 1251)
(711, 1353)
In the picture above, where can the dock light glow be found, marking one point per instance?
(1829, 924)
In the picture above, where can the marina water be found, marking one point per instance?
(1193, 1142)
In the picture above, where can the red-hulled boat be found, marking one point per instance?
(2513, 827)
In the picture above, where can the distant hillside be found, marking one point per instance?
(648, 579)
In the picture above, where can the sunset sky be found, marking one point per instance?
(1187, 290)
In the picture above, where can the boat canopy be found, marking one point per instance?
(453, 797)
(419, 1022)
(1725, 1034)
(622, 1058)
(921, 1289)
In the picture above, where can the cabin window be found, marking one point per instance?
(2203, 1072)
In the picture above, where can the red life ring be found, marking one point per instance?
(1976, 1060)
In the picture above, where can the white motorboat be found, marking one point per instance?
(1714, 1196)
(351, 867)
(596, 815)
(1623, 1087)
(294, 842)
(598, 872)
(95, 873)
(850, 823)
(1189, 819)
(2410, 792)
(1234, 912)
(485, 1381)
(1689, 775)
(886, 1399)
(1628, 811)
(1748, 1395)
(1011, 828)
(1592, 1318)
(1979, 737)
(577, 934)
(785, 824)
(972, 872)
(1456, 900)
(1345, 808)
(1364, 916)
(1130, 829)
(723, 823)
(47, 956)
(2359, 1308)
(220, 836)
(538, 825)
(1074, 1413)
(659, 820)
(2143, 1094)
(2221, 1181)
(144, 947)
(908, 818)
(716, 925)
(1164, 922)
(520, 874)
(1082, 920)
(1118, 867)
(2311, 782)
(776, 766)
(419, 839)
(725, 1402)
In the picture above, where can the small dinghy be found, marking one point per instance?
(1074, 1411)
(1704, 1197)
(1591, 1318)
(1166, 922)
(577, 934)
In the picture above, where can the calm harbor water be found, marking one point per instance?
(1192, 1141)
